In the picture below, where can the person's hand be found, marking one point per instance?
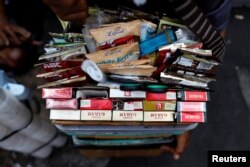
(11, 58)
(11, 34)
(182, 142)
(69, 10)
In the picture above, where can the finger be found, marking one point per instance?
(74, 17)
(4, 38)
(13, 36)
(26, 34)
(182, 143)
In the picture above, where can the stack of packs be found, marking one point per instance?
(191, 106)
(124, 74)
(127, 105)
(61, 62)
(160, 107)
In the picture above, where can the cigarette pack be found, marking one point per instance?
(53, 66)
(96, 115)
(127, 105)
(96, 104)
(57, 93)
(159, 116)
(159, 105)
(191, 107)
(61, 104)
(63, 74)
(127, 115)
(202, 96)
(65, 114)
(116, 93)
(191, 117)
(169, 95)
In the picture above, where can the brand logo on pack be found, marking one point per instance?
(196, 96)
(127, 114)
(196, 117)
(51, 65)
(112, 51)
(127, 93)
(192, 117)
(96, 114)
(159, 106)
(115, 31)
(158, 115)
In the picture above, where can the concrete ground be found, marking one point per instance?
(228, 126)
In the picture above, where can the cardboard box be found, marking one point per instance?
(96, 104)
(61, 104)
(191, 117)
(191, 107)
(117, 93)
(96, 115)
(65, 115)
(57, 93)
(159, 105)
(169, 95)
(127, 105)
(159, 116)
(201, 96)
(127, 116)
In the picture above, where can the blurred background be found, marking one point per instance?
(228, 126)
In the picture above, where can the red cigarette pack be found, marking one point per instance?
(191, 117)
(53, 66)
(61, 104)
(202, 96)
(96, 104)
(191, 107)
(57, 93)
(169, 95)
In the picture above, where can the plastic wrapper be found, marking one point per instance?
(115, 31)
(67, 37)
(184, 80)
(117, 54)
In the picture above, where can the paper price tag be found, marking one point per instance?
(169, 106)
(85, 103)
(171, 95)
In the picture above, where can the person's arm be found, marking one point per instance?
(69, 10)
(182, 142)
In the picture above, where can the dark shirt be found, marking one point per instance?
(218, 11)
